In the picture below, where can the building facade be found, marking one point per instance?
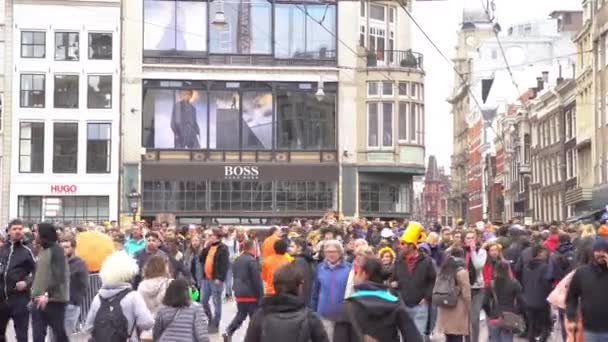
(435, 194)
(238, 110)
(5, 105)
(65, 111)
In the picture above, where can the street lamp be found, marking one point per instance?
(134, 197)
(219, 20)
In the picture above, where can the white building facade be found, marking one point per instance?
(65, 111)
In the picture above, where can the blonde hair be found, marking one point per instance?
(587, 230)
(364, 251)
(432, 238)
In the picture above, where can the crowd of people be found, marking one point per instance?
(312, 280)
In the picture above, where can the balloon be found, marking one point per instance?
(93, 247)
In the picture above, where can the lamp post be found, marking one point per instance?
(134, 197)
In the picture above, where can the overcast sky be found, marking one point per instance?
(440, 20)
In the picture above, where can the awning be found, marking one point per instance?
(415, 170)
(587, 217)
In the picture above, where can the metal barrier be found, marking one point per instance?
(94, 286)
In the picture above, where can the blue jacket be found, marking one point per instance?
(133, 246)
(328, 289)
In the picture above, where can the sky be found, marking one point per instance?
(440, 75)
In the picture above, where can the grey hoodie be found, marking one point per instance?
(133, 307)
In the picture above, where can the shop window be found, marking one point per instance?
(162, 196)
(66, 91)
(100, 45)
(33, 44)
(241, 196)
(67, 46)
(298, 33)
(304, 196)
(65, 209)
(383, 198)
(99, 91)
(31, 147)
(176, 25)
(65, 147)
(247, 30)
(99, 147)
(380, 124)
(32, 91)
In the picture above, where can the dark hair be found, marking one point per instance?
(153, 234)
(287, 280)
(372, 266)
(15, 222)
(301, 242)
(177, 295)
(537, 249)
(564, 238)
(247, 245)
(70, 239)
(501, 271)
(451, 265)
(155, 267)
(272, 230)
(280, 247)
(217, 232)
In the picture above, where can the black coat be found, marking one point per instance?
(79, 280)
(563, 261)
(537, 284)
(17, 263)
(588, 286)
(417, 285)
(221, 261)
(509, 297)
(377, 315)
(285, 317)
(247, 281)
(306, 264)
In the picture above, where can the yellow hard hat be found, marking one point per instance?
(414, 233)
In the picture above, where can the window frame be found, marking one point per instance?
(33, 44)
(31, 142)
(23, 91)
(90, 50)
(56, 95)
(108, 141)
(55, 154)
(111, 90)
(380, 125)
(67, 46)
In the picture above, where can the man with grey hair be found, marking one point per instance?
(329, 284)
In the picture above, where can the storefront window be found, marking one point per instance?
(224, 118)
(383, 198)
(65, 209)
(175, 196)
(248, 28)
(304, 196)
(257, 120)
(301, 31)
(175, 26)
(246, 196)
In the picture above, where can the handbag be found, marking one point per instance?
(508, 320)
(353, 322)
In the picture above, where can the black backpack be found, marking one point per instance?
(110, 324)
(286, 324)
(446, 292)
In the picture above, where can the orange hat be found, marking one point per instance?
(603, 231)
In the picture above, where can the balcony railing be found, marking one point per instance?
(395, 59)
(578, 194)
(322, 57)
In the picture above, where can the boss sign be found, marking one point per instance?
(241, 172)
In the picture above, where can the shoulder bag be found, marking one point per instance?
(508, 320)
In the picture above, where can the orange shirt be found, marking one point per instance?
(209, 262)
(270, 265)
(268, 246)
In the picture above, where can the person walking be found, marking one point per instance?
(504, 294)
(414, 276)
(268, 244)
(79, 283)
(136, 241)
(117, 311)
(273, 263)
(215, 259)
(587, 293)
(303, 259)
(475, 260)
(179, 319)
(453, 321)
(372, 311)
(230, 241)
(537, 285)
(285, 316)
(50, 289)
(18, 266)
(153, 288)
(248, 288)
(152, 248)
(329, 284)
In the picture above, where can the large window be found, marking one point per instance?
(175, 26)
(32, 91)
(67, 46)
(65, 209)
(379, 124)
(304, 196)
(165, 196)
(100, 45)
(384, 198)
(31, 147)
(301, 31)
(99, 147)
(65, 147)
(66, 91)
(247, 30)
(33, 44)
(99, 91)
(245, 196)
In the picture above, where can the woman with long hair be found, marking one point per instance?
(156, 280)
(454, 321)
(503, 295)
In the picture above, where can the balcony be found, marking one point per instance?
(312, 59)
(578, 194)
(395, 59)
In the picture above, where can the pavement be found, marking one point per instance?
(228, 312)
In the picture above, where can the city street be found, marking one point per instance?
(229, 310)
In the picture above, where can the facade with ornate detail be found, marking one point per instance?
(435, 194)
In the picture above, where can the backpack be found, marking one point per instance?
(277, 324)
(110, 324)
(445, 291)
(348, 306)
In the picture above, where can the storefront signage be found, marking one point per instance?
(241, 172)
(64, 189)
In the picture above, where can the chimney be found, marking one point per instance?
(546, 77)
(539, 84)
(560, 78)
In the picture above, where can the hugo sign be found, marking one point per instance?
(64, 189)
(241, 172)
